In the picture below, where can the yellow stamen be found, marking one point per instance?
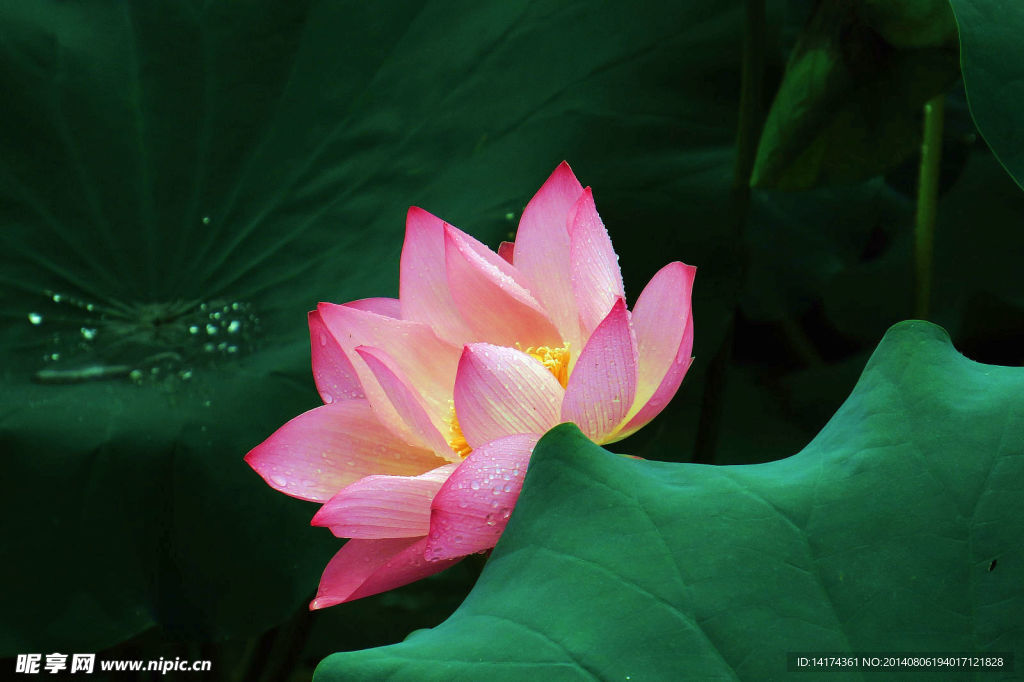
(555, 359)
(456, 440)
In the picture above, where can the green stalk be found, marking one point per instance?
(927, 199)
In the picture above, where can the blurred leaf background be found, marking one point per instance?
(181, 181)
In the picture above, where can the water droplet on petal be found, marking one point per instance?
(475, 485)
(491, 520)
(328, 398)
(279, 480)
(323, 339)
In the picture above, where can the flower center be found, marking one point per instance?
(555, 359)
(557, 362)
(456, 440)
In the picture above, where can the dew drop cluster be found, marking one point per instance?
(165, 342)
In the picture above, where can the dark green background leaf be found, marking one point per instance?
(160, 156)
(993, 68)
(849, 105)
(897, 529)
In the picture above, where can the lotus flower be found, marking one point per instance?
(433, 402)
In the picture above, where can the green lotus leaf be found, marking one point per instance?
(896, 529)
(849, 105)
(993, 71)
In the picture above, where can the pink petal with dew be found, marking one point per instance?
(665, 391)
(496, 306)
(335, 377)
(542, 250)
(474, 504)
(602, 386)
(660, 318)
(366, 567)
(388, 307)
(321, 451)
(501, 391)
(408, 402)
(596, 280)
(506, 250)
(423, 281)
(384, 506)
(427, 362)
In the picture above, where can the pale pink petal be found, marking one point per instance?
(495, 305)
(473, 506)
(427, 362)
(665, 391)
(500, 391)
(542, 250)
(596, 279)
(366, 567)
(321, 451)
(388, 307)
(660, 318)
(333, 373)
(423, 282)
(603, 384)
(506, 250)
(408, 402)
(384, 506)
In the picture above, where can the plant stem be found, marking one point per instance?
(927, 198)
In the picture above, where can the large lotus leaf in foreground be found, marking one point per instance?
(897, 529)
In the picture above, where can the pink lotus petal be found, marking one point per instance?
(496, 306)
(384, 506)
(542, 250)
(473, 506)
(660, 318)
(665, 391)
(501, 391)
(408, 402)
(333, 373)
(596, 280)
(423, 285)
(366, 567)
(388, 307)
(602, 386)
(321, 451)
(506, 250)
(427, 362)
